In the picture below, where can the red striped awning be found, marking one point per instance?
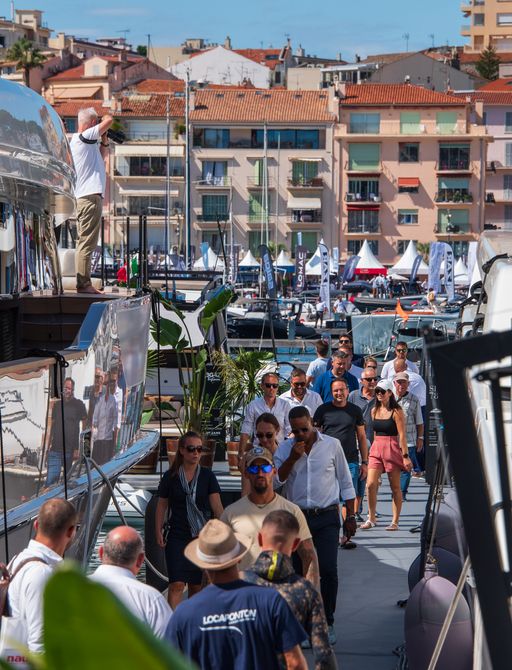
(367, 208)
(409, 182)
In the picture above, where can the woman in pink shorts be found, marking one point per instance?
(388, 453)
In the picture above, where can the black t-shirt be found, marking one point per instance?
(341, 422)
(74, 412)
(171, 488)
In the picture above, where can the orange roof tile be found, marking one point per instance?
(178, 86)
(267, 57)
(489, 97)
(376, 95)
(497, 85)
(77, 72)
(257, 106)
(131, 106)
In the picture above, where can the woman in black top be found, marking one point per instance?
(189, 495)
(388, 453)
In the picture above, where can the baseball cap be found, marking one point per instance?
(258, 452)
(401, 376)
(385, 385)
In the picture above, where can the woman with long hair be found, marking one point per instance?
(388, 453)
(188, 496)
(266, 430)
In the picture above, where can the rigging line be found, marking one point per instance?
(62, 363)
(4, 494)
(156, 313)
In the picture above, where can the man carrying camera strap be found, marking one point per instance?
(89, 190)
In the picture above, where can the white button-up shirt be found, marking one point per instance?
(317, 479)
(25, 595)
(258, 407)
(388, 369)
(145, 602)
(312, 400)
(104, 418)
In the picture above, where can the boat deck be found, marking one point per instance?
(373, 577)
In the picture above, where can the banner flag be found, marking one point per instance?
(324, 276)
(434, 266)
(414, 271)
(350, 269)
(301, 254)
(268, 271)
(449, 278)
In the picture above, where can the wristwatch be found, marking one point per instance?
(352, 517)
(364, 462)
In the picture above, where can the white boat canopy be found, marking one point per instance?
(248, 261)
(368, 263)
(213, 261)
(404, 265)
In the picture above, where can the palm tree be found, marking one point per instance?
(27, 57)
(423, 248)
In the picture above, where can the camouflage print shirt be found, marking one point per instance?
(275, 569)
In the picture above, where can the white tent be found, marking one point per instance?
(213, 261)
(461, 273)
(284, 261)
(368, 263)
(313, 266)
(248, 262)
(404, 265)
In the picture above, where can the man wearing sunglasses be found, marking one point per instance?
(401, 350)
(269, 402)
(298, 393)
(315, 474)
(246, 515)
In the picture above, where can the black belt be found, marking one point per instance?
(315, 511)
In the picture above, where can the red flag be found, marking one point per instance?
(401, 311)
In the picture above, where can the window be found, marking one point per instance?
(460, 249)
(508, 122)
(362, 189)
(407, 217)
(457, 219)
(215, 207)
(364, 123)
(508, 154)
(354, 246)
(257, 207)
(152, 205)
(454, 156)
(451, 189)
(406, 185)
(364, 157)
(484, 118)
(212, 239)
(446, 122)
(215, 173)
(409, 123)
(402, 245)
(363, 221)
(254, 243)
(71, 124)
(507, 218)
(309, 240)
(408, 152)
(504, 19)
(306, 216)
(287, 139)
(211, 138)
(304, 172)
(147, 166)
(507, 187)
(479, 20)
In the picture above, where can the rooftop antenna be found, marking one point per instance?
(124, 32)
(432, 37)
(406, 38)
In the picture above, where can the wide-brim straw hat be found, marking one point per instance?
(217, 547)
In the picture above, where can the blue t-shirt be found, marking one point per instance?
(323, 384)
(236, 625)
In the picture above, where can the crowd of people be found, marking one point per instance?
(262, 573)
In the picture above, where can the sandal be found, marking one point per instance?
(367, 525)
(392, 527)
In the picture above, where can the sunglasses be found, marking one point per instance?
(370, 379)
(255, 469)
(345, 342)
(401, 351)
(299, 384)
(260, 436)
(372, 367)
(194, 450)
(380, 392)
(271, 386)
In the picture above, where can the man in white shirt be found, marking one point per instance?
(298, 394)
(417, 385)
(122, 556)
(320, 310)
(30, 570)
(269, 402)
(315, 474)
(388, 370)
(104, 425)
(89, 189)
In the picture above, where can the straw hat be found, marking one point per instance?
(217, 547)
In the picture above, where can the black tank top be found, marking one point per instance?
(386, 427)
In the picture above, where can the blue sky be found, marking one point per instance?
(324, 27)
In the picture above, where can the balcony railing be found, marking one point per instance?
(444, 228)
(453, 196)
(369, 168)
(363, 197)
(218, 216)
(305, 217)
(364, 228)
(394, 128)
(302, 182)
(214, 182)
(257, 182)
(454, 166)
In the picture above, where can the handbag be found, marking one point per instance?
(13, 630)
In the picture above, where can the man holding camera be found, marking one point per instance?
(88, 147)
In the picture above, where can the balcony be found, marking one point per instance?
(214, 183)
(452, 229)
(450, 196)
(363, 228)
(494, 166)
(303, 183)
(311, 216)
(465, 30)
(454, 166)
(363, 198)
(427, 128)
(257, 183)
(466, 7)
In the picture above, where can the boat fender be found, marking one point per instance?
(154, 553)
(450, 529)
(449, 566)
(426, 610)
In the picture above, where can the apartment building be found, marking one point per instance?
(137, 169)
(413, 168)
(488, 23)
(262, 165)
(492, 108)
